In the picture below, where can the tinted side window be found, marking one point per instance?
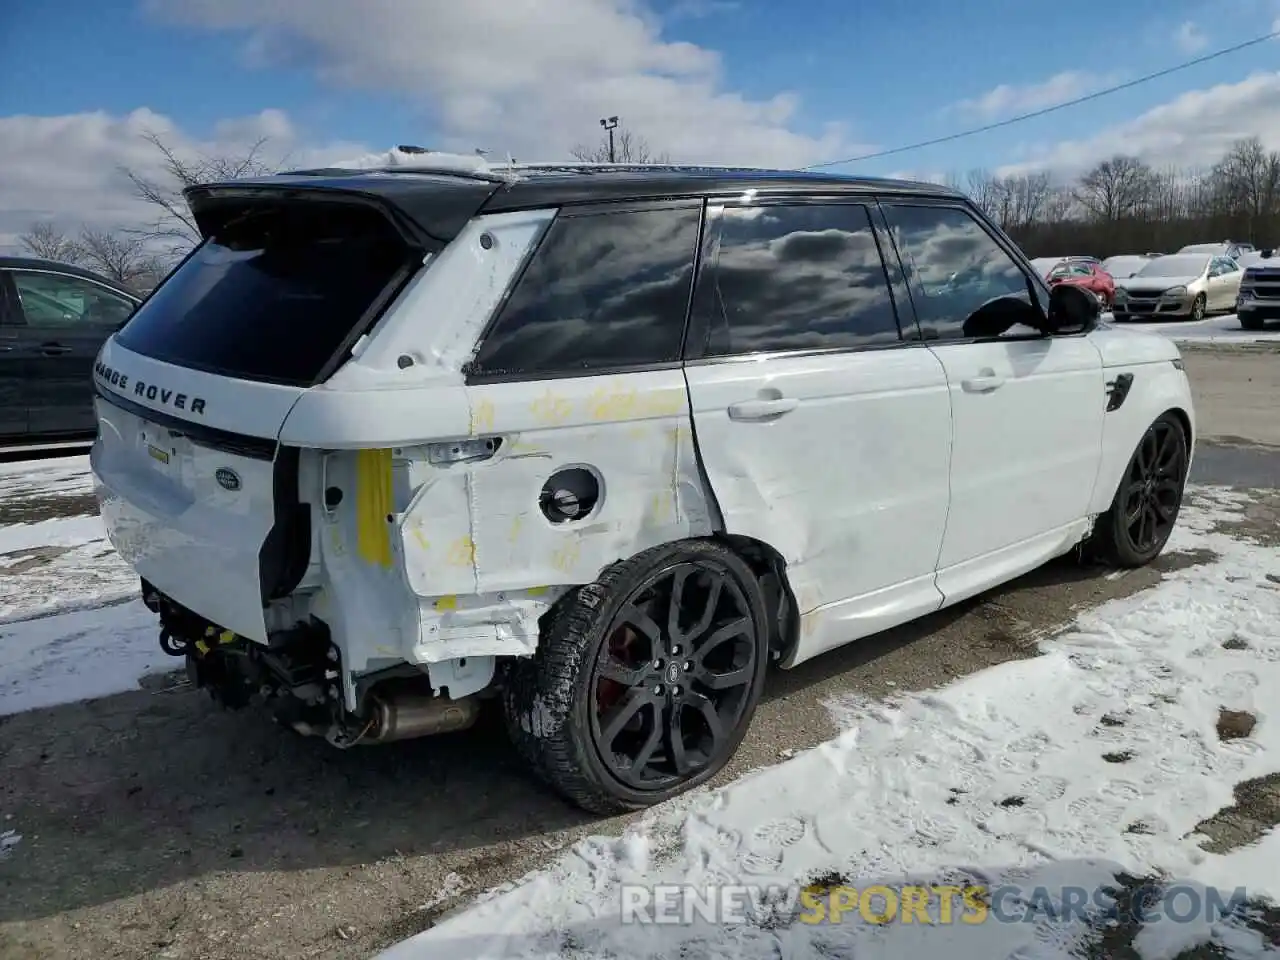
(59, 300)
(795, 278)
(604, 290)
(954, 267)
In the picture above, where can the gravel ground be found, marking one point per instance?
(155, 825)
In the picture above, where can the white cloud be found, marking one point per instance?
(69, 169)
(1190, 38)
(532, 78)
(1010, 100)
(1194, 129)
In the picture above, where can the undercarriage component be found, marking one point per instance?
(298, 675)
(404, 714)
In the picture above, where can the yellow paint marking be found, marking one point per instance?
(482, 416)
(420, 537)
(662, 507)
(447, 603)
(551, 409)
(513, 534)
(536, 591)
(373, 505)
(565, 557)
(461, 553)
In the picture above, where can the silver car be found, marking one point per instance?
(1181, 285)
(1228, 248)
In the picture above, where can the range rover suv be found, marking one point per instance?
(603, 444)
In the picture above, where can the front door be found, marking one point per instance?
(824, 432)
(1027, 408)
(65, 320)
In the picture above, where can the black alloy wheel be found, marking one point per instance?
(645, 681)
(673, 678)
(1145, 509)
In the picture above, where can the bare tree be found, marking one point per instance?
(46, 241)
(1059, 205)
(1247, 181)
(174, 228)
(627, 148)
(121, 256)
(984, 190)
(1115, 188)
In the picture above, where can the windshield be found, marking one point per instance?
(1203, 248)
(1124, 266)
(1178, 265)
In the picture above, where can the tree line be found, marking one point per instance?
(1122, 205)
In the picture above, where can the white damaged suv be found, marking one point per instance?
(603, 443)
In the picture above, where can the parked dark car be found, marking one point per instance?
(53, 319)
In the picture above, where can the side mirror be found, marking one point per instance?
(1072, 309)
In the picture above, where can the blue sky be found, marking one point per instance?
(886, 74)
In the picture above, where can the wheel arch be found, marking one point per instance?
(770, 567)
(1158, 389)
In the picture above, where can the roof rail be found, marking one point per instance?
(590, 166)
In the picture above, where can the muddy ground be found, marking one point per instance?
(155, 825)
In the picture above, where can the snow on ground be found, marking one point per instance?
(60, 563)
(78, 656)
(1209, 330)
(57, 565)
(1101, 755)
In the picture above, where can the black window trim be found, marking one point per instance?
(473, 377)
(1019, 259)
(18, 313)
(908, 329)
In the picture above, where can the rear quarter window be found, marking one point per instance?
(604, 291)
(275, 295)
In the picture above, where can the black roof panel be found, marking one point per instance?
(556, 186)
(440, 202)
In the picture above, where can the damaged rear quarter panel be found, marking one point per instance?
(476, 528)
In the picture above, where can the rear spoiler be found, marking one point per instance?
(428, 211)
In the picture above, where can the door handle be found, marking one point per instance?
(984, 383)
(762, 410)
(53, 349)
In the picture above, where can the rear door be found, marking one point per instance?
(824, 430)
(64, 320)
(197, 495)
(13, 402)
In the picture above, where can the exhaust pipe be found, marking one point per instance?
(406, 716)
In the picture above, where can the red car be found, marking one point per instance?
(1083, 273)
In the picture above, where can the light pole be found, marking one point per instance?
(609, 123)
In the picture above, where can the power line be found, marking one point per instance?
(1057, 106)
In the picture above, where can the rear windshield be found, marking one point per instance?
(273, 295)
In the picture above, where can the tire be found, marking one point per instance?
(1199, 308)
(560, 702)
(1151, 487)
(1248, 322)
